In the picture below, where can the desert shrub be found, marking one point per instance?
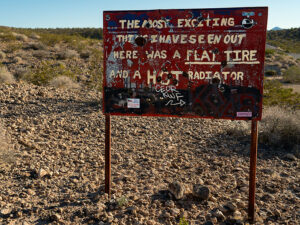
(2, 55)
(271, 73)
(122, 201)
(20, 73)
(270, 52)
(12, 47)
(96, 71)
(183, 221)
(85, 54)
(17, 60)
(67, 54)
(7, 36)
(41, 54)
(64, 82)
(46, 71)
(280, 127)
(275, 94)
(34, 36)
(35, 46)
(238, 128)
(292, 75)
(5, 75)
(20, 37)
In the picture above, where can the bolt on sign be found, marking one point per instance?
(205, 63)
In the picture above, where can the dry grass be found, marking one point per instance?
(279, 128)
(6, 76)
(67, 54)
(64, 82)
(2, 55)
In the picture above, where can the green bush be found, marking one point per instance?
(46, 71)
(7, 36)
(275, 94)
(270, 52)
(292, 75)
(183, 221)
(95, 69)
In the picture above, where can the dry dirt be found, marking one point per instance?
(54, 171)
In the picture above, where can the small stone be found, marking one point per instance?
(170, 204)
(56, 217)
(237, 215)
(177, 189)
(101, 207)
(291, 157)
(231, 206)
(42, 173)
(6, 211)
(131, 210)
(217, 213)
(201, 192)
(175, 211)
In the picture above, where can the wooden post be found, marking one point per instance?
(252, 175)
(107, 155)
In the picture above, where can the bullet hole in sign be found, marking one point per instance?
(200, 18)
(140, 41)
(147, 25)
(224, 63)
(175, 82)
(164, 69)
(169, 76)
(185, 74)
(216, 51)
(158, 79)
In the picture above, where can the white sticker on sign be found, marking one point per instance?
(133, 103)
(244, 114)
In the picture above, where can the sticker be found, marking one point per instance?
(244, 114)
(133, 103)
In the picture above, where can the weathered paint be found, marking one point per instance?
(204, 63)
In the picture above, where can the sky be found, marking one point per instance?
(88, 13)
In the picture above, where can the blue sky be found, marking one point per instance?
(88, 13)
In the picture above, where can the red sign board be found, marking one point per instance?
(205, 63)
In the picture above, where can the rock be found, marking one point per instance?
(217, 213)
(291, 157)
(231, 206)
(6, 211)
(177, 189)
(56, 217)
(170, 204)
(101, 207)
(41, 173)
(201, 192)
(175, 211)
(131, 210)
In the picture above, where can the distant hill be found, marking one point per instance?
(94, 33)
(287, 39)
(276, 28)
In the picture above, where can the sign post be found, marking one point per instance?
(252, 174)
(107, 155)
(193, 63)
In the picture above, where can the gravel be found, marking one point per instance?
(56, 174)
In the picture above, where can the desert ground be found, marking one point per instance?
(164, 170)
